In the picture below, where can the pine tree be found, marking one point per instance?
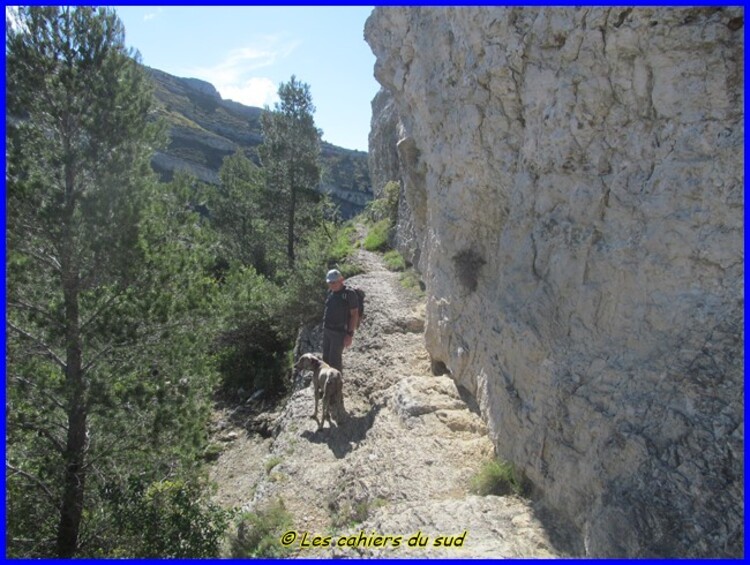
(290, 155)
(107, 301)
(237, 210)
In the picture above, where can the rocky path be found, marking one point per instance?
(398, 469)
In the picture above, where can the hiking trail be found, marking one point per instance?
(402, 462)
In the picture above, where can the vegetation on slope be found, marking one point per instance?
(131, 303)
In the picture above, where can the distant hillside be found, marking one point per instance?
(204, 129)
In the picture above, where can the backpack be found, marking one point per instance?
(360, 301)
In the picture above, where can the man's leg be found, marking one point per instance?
(333, 348)
(327, 346)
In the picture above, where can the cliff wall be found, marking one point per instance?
(574, 185)
(384, 161)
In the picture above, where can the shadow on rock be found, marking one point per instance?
(562, 534)
(469, 400)
(346, 435)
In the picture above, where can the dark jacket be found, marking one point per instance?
(337, 309)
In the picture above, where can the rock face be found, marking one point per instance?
(384, 159)
(575, 184)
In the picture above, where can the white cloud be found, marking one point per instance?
(257, 91)
(235, 77)
(151, 15)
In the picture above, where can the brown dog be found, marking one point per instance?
(328, 384)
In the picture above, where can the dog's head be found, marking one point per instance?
(308, 362)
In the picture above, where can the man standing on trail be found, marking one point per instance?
(340, 319)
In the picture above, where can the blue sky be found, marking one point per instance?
(247, 51)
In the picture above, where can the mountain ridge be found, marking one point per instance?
(204, 129)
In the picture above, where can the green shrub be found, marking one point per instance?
(377, 236)
(342, 246)
(165, 519)
(385, 207)
(213, 451)
(345, 243)
(252, 348)
(499, 478)
(259, 533)
(394, 261)
(351, 513)
(409, 279)
(349, 270)
(272, 462)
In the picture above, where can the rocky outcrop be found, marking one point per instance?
(203, 87)
(575, 184)
(384, 160)
(385, 131)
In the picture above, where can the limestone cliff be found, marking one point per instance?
(575, 186)
(384, 158)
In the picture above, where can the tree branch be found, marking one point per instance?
(26, 306)
(52, 498)
(101, 309)
(59, 447)
(95, 358)
(48, 260)
(43, 392)
(51, 354)
(35, 252)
